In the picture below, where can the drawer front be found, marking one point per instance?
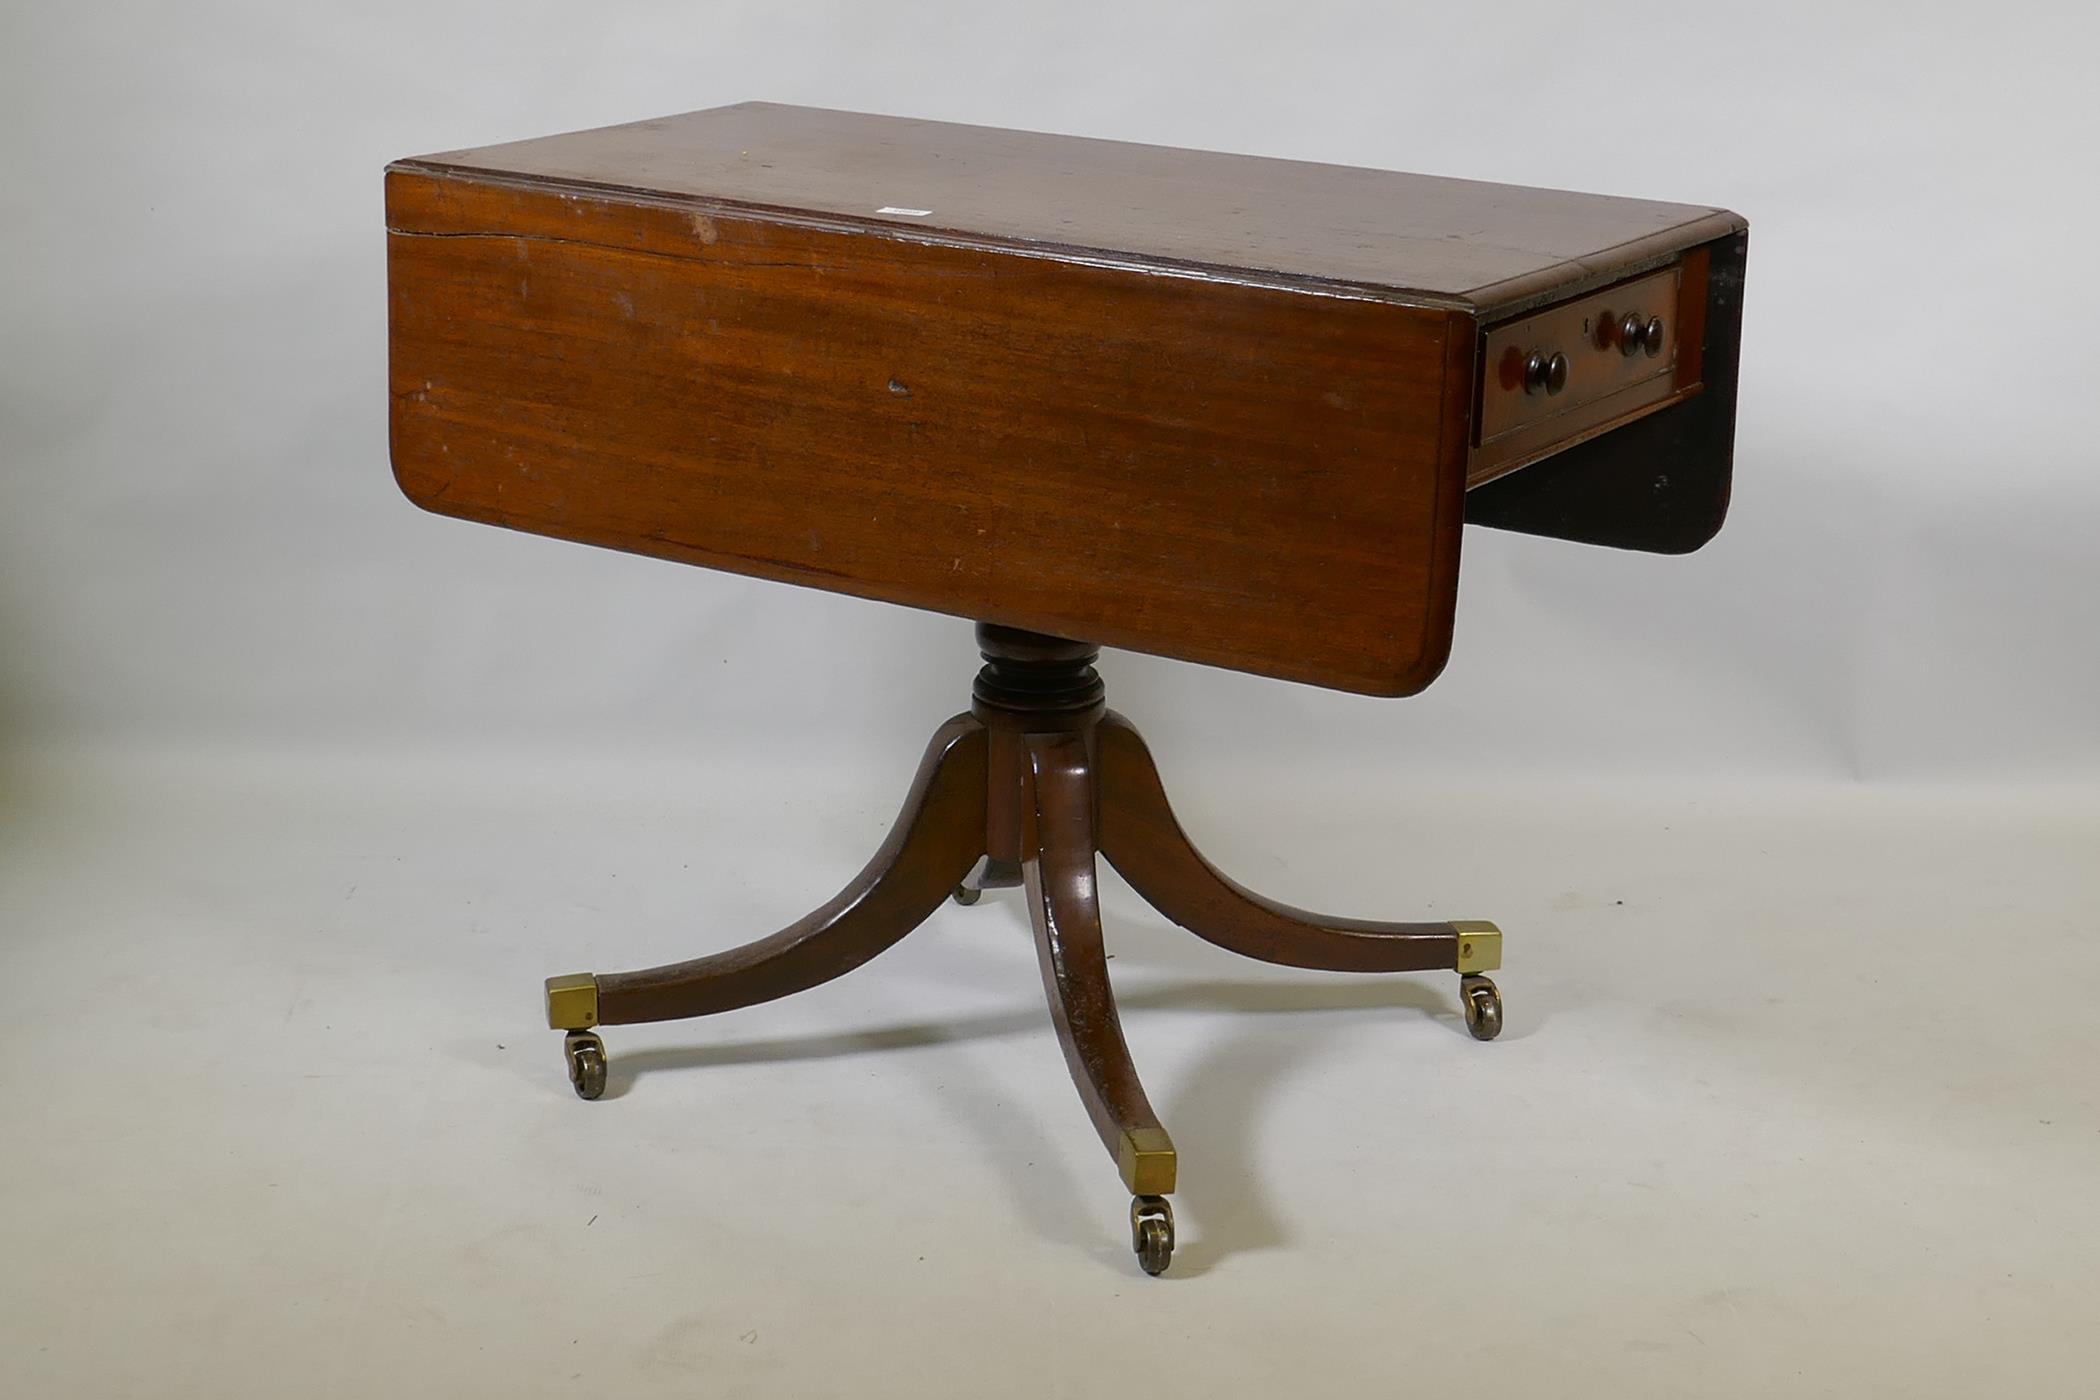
(1562, 374)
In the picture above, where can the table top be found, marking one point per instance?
(1222, 408)
(1417, 238)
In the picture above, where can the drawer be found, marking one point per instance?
(1555, 377)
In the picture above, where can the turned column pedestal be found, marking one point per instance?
(1028, 788)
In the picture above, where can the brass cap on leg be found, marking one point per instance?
(1479, 945)
(572, 1002)
(1145, 1156)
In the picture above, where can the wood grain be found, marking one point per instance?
(1662, 482)
(1606, 389)
(1582, 330)
(1085, 788)
(1065, 910)
(1140, 837)
(1220, 408)
(1483, 246)
(1252, 477)
(936, 839)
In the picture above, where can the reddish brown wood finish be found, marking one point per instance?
(1212, 407)
(1486, 248)
(1585, 330)
(937, 838)
(1084, 788)
(1661, 482)
(1154, 462)
(1065, 909)
(1606, 388)
(1693, 303)
(1141, 839)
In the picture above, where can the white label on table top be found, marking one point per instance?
(907, 213)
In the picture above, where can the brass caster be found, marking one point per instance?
(586, 1056)
(1483, 1006)
(967, 895)
(1152, 1232)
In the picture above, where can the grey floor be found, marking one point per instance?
(1797, 1097)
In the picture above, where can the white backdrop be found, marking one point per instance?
(199, 539)
(302, 791)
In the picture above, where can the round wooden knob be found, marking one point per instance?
(1638, 333)
(1632, 330)
(1545, 373)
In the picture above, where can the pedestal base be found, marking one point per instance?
(1028, 788)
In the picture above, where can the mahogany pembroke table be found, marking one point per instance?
(1220, 408)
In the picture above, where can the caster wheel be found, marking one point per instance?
(967, 895)
(1152, 1233)
(586, 1056)
(1483, 1007)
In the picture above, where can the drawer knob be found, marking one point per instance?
(1636, 334)
(1547, 373)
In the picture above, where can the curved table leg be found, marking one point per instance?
(934, 843)
(988, 874)
(1058, 867)
(1139, 836)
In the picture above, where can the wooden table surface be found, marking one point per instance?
(1423, 239)
(1216, 407)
